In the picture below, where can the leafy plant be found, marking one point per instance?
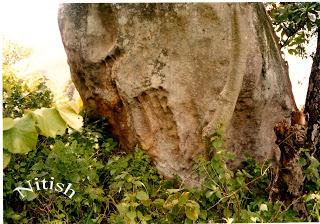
(114, 187)
(73, 146)
(77, 158)
(296, 23)
(21, 134)
(19, 97)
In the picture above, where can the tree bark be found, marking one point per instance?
(287, 184)
(166, 76)
(312, 106)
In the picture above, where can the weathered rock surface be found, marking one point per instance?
(166, 75)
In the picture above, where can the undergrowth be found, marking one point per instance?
(117, 187)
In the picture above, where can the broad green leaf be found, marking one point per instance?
(122, 207)
(141, 195)
(192, 210)
(203, 214)
(209, 194)
(49, 122)
(131, 215)
(143, 218)
(158, 202)
(218, 194)
(7, 123)
(183, 198)
(38, 166)
(168, 203)
(6, 159)
(22, 137)
(28, 196)
(70, 116)
(217, 144)
(76, 105)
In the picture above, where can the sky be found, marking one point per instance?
(35, 25)
(299, 72)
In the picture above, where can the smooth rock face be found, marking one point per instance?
(167, 75)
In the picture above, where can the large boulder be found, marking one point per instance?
(166, 76)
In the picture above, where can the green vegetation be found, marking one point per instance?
(118, 187)
(296, 23)
(44, 139)
(70, 158)
(18, 96)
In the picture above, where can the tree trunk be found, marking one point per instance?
(166, 76)
(312, 106)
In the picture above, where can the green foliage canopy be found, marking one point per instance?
(295, 23)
